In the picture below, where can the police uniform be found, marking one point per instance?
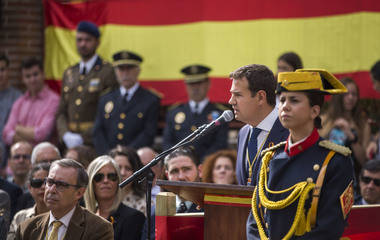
(80, 95)
(304, 190)
(181, 121)
(131, 123)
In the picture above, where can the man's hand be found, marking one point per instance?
(72, 139)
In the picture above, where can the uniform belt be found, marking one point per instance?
(80, 126)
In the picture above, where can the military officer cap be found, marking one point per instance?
(88, 27)
(195, 73)
(309, 80)
(126, 58)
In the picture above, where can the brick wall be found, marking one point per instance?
(21, 33)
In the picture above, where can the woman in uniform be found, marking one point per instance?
(304, 186)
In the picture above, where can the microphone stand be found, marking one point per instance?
(146, 172)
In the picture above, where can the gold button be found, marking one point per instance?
(177, 127)
(122, 115)
(267, 225)
(309, 180)
(316, 167)
(267, 169)
(193, 128)
(120, 125)
(120, 136)
(106, 116)
(78, 102)
(66, 89)
(140, 115)
(300, 147)
(80, 88)
(81, 77)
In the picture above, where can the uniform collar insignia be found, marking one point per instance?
(302, 146)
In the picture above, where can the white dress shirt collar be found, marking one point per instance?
(130, 91)
(201, 105)
(89, 64)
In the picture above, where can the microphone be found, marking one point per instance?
(227, 116)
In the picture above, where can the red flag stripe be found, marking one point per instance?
(167, 12)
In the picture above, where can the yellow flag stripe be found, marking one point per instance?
(227, 199)
(343, 43)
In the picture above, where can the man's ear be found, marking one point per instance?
(261, 95)
(80, 192)
(166, 174)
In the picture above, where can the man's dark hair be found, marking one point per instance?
(4, 57)
(30, 62)
(182, 151)
(82, 178)
(259, 78)
(375, 71)
(372, 166)
(292, 59)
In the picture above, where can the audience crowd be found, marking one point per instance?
(105, 122)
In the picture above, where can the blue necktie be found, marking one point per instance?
(252, 144)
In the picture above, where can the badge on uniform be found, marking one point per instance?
(93, 85)
(347, 199)
(213, 116)
(108, 107)
(180, 117)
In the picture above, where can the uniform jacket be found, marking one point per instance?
(133, 124)
(285, 171)
(79, 98)
(83, 225)
(276, 135)
(128, 223)
(181, 122)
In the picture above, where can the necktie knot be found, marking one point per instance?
(196, 108)
(57, 224)
(54, 231)
(84, 71)
(125, 97)
(255, 133)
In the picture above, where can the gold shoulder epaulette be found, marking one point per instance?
(272, 148)
(156, 93)
(335, 147)
(174, 106)
(221, 107)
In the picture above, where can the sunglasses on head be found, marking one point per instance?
(367, 180)
(100, 176)
(37, 183)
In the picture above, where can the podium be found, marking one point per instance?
(226, 207)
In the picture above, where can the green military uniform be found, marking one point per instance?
(80, 96)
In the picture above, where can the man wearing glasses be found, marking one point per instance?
(20, 164)
(369, 181)
(65, 186)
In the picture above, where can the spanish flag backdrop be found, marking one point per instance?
(342, 36)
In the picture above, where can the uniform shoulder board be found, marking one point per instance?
(156, 93)
(273, 148)
(174, 106)
(221, 107)
(335, 147)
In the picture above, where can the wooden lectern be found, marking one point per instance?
(226, 207)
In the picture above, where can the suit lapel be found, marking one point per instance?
(41, 227)
(76, 225)
(133, 101)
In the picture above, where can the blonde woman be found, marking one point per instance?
(103, 197)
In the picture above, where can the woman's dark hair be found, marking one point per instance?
(336, 106)
(292, 59)
(316, 98)
(134, 160)
(40, 166)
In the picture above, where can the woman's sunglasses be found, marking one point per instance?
(111, 176)
(37, 183)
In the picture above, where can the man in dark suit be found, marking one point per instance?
(128, 115)
(5, 206)
(65, 186)
(82, 86)
(184, 119)
(253, 99)
(183, 165)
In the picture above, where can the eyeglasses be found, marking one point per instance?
(36, 183)
(23, 156)
(60, 185)
(367, 180)
(100, 176)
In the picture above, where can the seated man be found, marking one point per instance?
(19, 162)
(33, 114)
(65, 186)
(45, 152)
(369, 182)
(182, 165)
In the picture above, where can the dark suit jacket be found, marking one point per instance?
(14, 193)
(84, 225)
(136, 128)
(128, 223)
(276, 135)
